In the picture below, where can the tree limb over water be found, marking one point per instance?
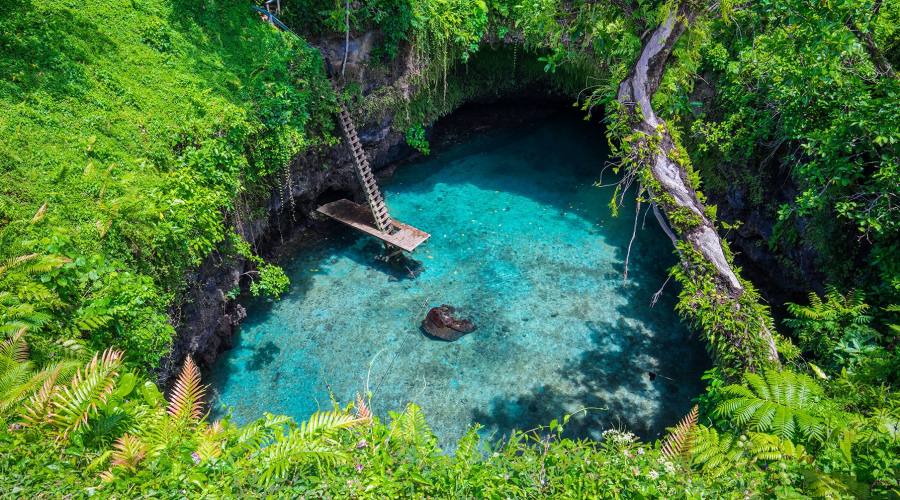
(661, 167)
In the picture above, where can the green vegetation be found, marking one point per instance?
(128, 134)
(135, 135)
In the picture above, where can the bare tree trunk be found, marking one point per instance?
(673, 191)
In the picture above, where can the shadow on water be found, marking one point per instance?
(263, 355)
(611, 380)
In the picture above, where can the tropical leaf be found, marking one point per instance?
(211, 442)
(678, 441)
(18, 399)
(411, 427)
(74, 404)
(717, 454)
(32, 263)
(326, 423)
(294, 452)
(128, 452)
(310, 444)
(362, 408)
(186, 399)
(783, 402)
(260, 433)
(15, 347)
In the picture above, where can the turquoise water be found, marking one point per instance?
(524, 245)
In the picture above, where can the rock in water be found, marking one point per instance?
(440, 323)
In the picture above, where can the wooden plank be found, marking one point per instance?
(360, 217)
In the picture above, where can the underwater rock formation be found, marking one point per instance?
(440, 323)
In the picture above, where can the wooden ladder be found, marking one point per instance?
(383, 220)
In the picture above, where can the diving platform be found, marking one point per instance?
(373, 219)
(404, 236)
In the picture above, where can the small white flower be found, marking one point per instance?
(654, 475)
(670, 468)
(640, 451)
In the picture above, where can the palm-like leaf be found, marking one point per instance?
(186, 400)
(260, 433)
(128, 452)
(22, 298)
(326, 423)
(311, 443)
(362, 408)
(293, 452)
(411, 427)
(74, 404)
(782, 402)
(19, 399)
(32, 264)
(211, 441)
(15, 348)
(678, 441)
(716, 454)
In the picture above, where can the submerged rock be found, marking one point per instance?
(440, 323)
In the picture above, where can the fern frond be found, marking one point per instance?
(38, 407)
(782, 402)
(260, 433)
(211, 442)
(15, 347)
(32, 263)
(39, 215)
(717, 454)
(128, 452)
(326, 423)
(186, 399)
(89, 322)
(821, 485)
(73, 405)
(678, 441)
(411, 427)
(362, 409)
(15, 262)
(13, 380)
(14, 399)
(294, 451)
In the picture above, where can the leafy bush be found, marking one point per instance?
(415, 137)
(835, 330)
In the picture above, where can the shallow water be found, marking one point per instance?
(522, 243)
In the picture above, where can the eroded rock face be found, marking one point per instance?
(440, 322)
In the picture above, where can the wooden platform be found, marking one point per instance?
(360, 217)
